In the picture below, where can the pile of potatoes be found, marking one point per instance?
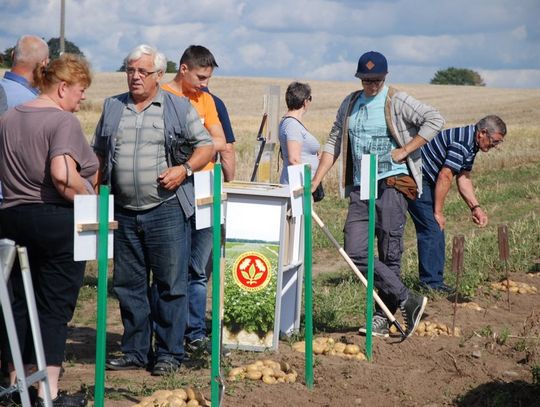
(267, 370)
(428, 328)
(174, 398)
(514, 287)
(328, 346)
(471, 305)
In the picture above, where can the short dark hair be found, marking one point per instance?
(493, 124)
(198, 56)
(297, 93)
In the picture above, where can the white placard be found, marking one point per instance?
(204, 187)
(364, 176)
(255, 218)
(85, 244)
(296, 183)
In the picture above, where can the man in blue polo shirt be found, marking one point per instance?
(18, 82)
(451, 153)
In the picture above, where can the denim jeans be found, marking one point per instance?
(152, 247)
(201, 247)
(429, 237)
(390, 208)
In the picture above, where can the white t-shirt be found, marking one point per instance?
(291, 129)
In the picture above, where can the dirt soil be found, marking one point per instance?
(488, 365)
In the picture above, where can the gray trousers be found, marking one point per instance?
(391, 209)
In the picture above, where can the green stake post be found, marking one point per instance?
(371, 254)
(215, 378)
(101, 328)
(308, 303)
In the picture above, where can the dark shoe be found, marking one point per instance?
(64, 400)
(379, 327)
(123, 363)
(163, 368)
(203, 346)
(412, 309)
(199, 346)
(439, 289)
(13, 398)
(445, 289)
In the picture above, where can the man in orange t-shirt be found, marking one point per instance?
(196, 67)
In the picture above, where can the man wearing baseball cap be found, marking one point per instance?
(381, 120)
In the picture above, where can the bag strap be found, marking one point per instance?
(174, 114)
(282, 120)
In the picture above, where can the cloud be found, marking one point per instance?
(336, 71)
(315, 39)
(511, 78)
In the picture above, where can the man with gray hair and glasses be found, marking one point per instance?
(451, 153)
(148, 142)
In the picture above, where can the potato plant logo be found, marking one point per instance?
(251, 271)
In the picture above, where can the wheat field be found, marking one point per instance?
(459, 105)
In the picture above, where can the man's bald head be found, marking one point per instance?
(30, 51)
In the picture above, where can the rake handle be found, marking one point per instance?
(346, 257)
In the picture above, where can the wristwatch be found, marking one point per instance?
(189, 170)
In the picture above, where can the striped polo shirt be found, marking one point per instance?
(453, 148)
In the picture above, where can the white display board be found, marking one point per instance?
(296, 185)
(253, 218)
(86, 212)
(204, 192)
(364, 176)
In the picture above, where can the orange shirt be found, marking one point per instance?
(203, 103)
(205, 106)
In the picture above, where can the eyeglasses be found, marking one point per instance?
(143, 73)
(493, 142)
(372, 81)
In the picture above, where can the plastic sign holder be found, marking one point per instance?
(93, 239)
(368, 190)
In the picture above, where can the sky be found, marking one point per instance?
(301, 39)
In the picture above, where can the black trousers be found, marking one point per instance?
(46, 230)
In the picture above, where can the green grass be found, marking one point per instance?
(330, 209)
(535, 371)
(339, 302)
(510, 195)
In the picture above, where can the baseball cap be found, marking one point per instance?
(372, 64)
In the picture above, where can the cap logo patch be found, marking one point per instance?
(370, 65)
